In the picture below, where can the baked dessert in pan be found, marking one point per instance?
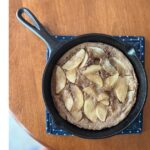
(94, 86)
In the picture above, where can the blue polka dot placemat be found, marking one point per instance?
(136, 126)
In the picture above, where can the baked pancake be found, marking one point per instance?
(94, 86)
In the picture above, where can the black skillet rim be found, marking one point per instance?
(141, 93)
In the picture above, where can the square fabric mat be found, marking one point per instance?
(136, 126)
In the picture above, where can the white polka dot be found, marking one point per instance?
(127, 36)
(64, 134)
(140, 129)
(130, 131)
(56, 36)
(139, 121)
(50, 124)
(131, 39)
(137, 131)
(123, 39)
(63, 37)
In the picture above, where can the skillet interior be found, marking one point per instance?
(141, 93)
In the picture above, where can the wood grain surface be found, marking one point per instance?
(27, 61)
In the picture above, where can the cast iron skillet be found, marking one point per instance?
(58, 49)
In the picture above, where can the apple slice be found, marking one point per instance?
(96, 51)
(60, 79)
(89, 110)
(89, 91)
(95, 79)
(111, 81)
(120, 66)
(78, 97)
(71, 75)
(77, 115)
(68, 100)
(108, 67)
(102, 96)
(101, 112)
(131, 82)
(91, 69)
(130, 96)
(84, 60)
(74, 61)
(121, 89)
(105, 102)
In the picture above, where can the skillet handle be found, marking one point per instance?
(36, 27)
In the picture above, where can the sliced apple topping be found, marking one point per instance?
(60, 79)
(93, 84)
(68, 100)
(74, 61)
(89, 91)
(131, 82)
(71, 75)
(108, 67)
(105, 102)
(102, 96)
(101, 112)
(130, 96)
(96, 51)
(120, 66)
(121, 89)
(95, 78)
(84, 60)
(77, 115)
(89, 110)
(111, 81)
(77, 96)
(91, 69)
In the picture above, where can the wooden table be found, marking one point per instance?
(27, 60)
